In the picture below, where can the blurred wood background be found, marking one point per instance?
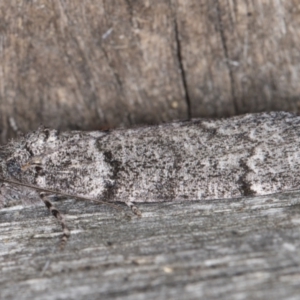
(97, 64)
(101, 64)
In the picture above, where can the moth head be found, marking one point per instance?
(24, 154)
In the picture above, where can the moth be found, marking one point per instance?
(252, 154)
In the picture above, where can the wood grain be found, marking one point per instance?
(101, 64)
(215, 249)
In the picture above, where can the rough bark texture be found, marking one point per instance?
(94, 64)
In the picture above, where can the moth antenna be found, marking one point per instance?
(61, 219)
(60, 193)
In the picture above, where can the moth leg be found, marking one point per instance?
(60, 217)
(133, 208)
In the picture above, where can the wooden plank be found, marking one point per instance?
(246, 248)
(101, 64)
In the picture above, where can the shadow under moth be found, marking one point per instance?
(253, 154)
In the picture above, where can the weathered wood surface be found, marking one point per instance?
(91, 64)
(215, 249)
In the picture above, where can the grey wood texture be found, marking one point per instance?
(245, 248)
(73, 64)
